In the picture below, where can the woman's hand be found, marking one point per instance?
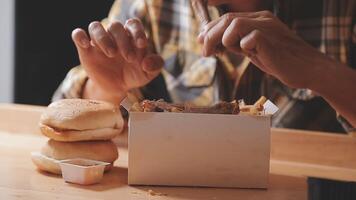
(270, 45)
(116, 59)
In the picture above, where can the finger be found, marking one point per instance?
(102, 39)
(238, 28)
(82, 42)
(80, 39)
(200, 8)
(137, 31)
(228, 18)
(214, 36)
(152, 64)
(251, 41)
(206, 29)
(123, 41)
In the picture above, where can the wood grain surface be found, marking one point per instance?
(294, 156)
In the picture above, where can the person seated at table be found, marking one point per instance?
(149, 49)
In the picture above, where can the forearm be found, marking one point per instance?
(92, 91)
(336, 83)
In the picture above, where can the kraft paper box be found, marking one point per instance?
(188, 149)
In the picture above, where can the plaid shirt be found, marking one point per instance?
(328, 25)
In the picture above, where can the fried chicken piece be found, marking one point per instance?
(162, 106)
(219, 108)
(157, 106)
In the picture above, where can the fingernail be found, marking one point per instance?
(140, 43)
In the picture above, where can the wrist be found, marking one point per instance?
(326, 74)
(93, 91)
(318, 71)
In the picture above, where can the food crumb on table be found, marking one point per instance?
(153, 193)
(135, 192)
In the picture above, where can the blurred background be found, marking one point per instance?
(36, 50)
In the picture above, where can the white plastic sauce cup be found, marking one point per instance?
(82, 171)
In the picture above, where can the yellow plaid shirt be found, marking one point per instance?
(328, 25)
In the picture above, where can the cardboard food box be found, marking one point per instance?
(189, 149)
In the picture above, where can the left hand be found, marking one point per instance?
(269, 43)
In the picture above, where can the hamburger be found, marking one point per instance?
(70, 120)
(78, 128)
(54, 151)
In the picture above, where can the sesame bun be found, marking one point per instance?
(50, 155)
(80, 119)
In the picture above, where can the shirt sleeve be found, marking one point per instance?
(73, 84)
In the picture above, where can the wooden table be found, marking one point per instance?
(19, 178)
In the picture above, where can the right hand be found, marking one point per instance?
(117, 59)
